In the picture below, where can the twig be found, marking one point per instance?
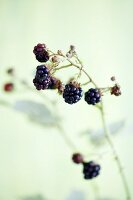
(66, 138)
(62, 67)
(117, 159)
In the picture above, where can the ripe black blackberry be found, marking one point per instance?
(41, 84)
(42, 78)
(41, 53)
(42, 71)
(92, 96)
(72, 93)
(90, 170)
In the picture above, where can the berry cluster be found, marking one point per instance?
(43, 79)
(72, 92)
(90, 169)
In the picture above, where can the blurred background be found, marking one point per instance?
(35, 161)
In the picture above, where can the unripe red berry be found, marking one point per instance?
(8, 87)
(77, 158)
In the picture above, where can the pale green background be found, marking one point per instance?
(35, 160)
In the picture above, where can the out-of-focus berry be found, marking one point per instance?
(8, 87)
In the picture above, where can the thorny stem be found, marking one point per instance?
(106, 130)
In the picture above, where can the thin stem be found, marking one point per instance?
(106, 89)
(62, 67)
(117, 159)
(86, 83)
(66, 138)
(79, 61)
(96, 191)
(82, 69)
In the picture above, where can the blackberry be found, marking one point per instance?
(77, 158)
(42, 78)
(92, 96)
(41, 84)
(41, 53)
(39, 48)
(42, 71)
(90, 170)
(42, 57)
(72, 93)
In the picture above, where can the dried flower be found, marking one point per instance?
(72, 48)
(60, 52)
(55, 59)
(113, 78)
(115, 90)
(69, 54)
